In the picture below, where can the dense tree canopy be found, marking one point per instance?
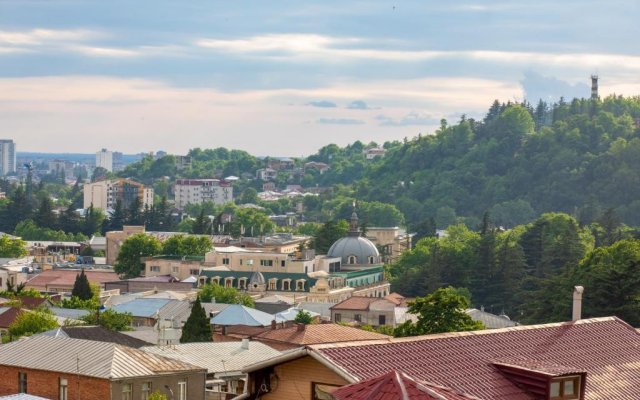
(140, 245)
(12, 248)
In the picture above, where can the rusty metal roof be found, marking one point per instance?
(88, 358)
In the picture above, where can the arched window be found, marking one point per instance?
(273, 284)
(286, 284)
(372, 260)
(228, 282)
(216, 280)
(242, 283)
(300, 285)
(352, 260)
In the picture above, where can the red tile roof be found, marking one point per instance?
(608, 350)
(8, 316)
(398, 299)
(64, 278)
(357, 303)
(33, 302)
(394, 385)
(317, 334)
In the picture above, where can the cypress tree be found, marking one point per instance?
(81, 287)
(198, 327)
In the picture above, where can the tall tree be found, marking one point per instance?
(198, 326)
(441, 311)
(44, 214)
(128, 263)
(81, 287)
(12, 248)
(328, 234)
(201, 224)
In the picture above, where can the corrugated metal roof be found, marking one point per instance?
(142, 307)
(292, 313)
(86, 357)
(608, 350)
(223, 357)
(237, 314)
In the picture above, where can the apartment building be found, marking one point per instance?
(105, 194)
(7, 157)
(197, 191)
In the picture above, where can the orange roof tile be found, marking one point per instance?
(357, 303)
(319, 333)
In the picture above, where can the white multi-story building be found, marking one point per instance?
(197, 191)
(7, 156)
(105, 194)
(104, 159)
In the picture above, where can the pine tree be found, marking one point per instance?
(198, 327)
(116, 218)
(81, 287)
(201, 225)
(44, 215)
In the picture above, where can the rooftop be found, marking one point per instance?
(218, 358)
(90, 358)
(319, 333)
(236, 314)
(608, 350)
(395, 385)
(358, 303)
(67, 277)
(96, 333)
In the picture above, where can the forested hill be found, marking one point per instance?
(580, 158)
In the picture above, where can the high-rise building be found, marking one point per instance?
(104, 159)
(7, 156)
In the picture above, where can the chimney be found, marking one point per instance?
(301, 327)
(245, 344)
(577, 303)
(273, 324)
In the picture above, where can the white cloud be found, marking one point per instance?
(37, 37)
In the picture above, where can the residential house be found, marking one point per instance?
(365, 310)
(594, 359)
(62, 280)
(266, 174)
(374, 152)
(224, 362)
(148, 311)
(63, 368)
(318, 166)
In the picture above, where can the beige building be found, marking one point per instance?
(105, 194)
(104, 159)
(393, 241)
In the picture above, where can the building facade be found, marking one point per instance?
(7, 157)
(197, 191)
(104, 159)
(105, 194)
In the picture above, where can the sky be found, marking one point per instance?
(284, 77)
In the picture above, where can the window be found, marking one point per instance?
(154, 268)
(228, 282)
(174, 270)
(182, 390)
(382, 320)
(286, 285)
(62, 389)
(357, 318)
(146, 390)
(266, 263)
(282, 263)
(273, 284)
(22, 382)
(242, 283)
(225, 261)
(352, 260)
(371, 260)
(126, 391)
(337, 317)
(565, 388)
(194, 272)
(300, 285)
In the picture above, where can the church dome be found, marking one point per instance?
(355, 250)
(257, 279)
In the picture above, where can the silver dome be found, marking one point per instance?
(357, 246)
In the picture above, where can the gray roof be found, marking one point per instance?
(96, 333)
(223, 357)
(69, 313)
(491, 321)
(357, 246)
(90, 358)
(22, 396)
(236, 314)
(156, 308)
(214, 308)
(324, 309)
